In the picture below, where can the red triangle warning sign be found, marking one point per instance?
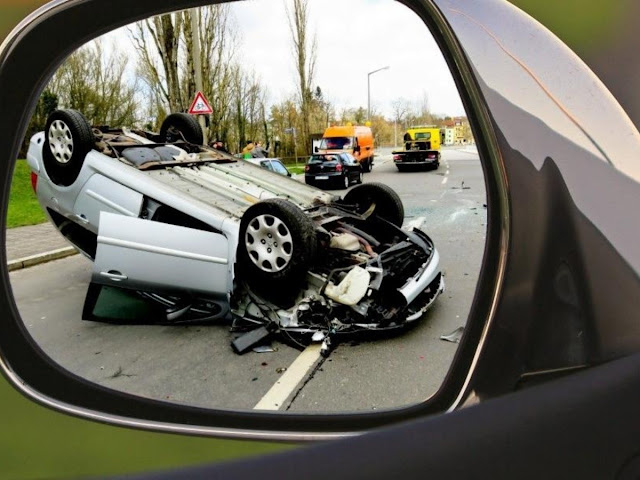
(200, 105)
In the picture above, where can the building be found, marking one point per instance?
(457, 132)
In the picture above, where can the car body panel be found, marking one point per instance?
(146, 255)
(101, 194)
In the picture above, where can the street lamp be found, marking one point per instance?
(369, 89)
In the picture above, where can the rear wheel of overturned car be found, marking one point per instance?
(68, 139)
(385, 201)
(277, 245)
(181, 126)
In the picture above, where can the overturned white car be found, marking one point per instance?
(180, 232)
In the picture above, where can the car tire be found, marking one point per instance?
(388, 204)
(276, 246)
(181, 126)
(68, 139)
(345, 181)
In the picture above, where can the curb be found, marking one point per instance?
(32, 260)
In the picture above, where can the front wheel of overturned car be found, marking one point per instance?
(68, 139)
(276, 246)
(385, 201)
(181, 126)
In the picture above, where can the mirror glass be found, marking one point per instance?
(254, 205)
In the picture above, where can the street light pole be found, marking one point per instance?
(369, 89)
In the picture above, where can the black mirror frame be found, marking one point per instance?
(26, 64)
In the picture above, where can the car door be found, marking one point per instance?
(168, 261)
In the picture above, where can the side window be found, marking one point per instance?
(266, 164)
(279, 167)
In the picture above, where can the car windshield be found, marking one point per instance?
(336, 143)
(423, 135)
(323, 158)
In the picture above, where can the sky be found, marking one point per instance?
(354, 37)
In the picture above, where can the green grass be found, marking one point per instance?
(24, 208)
(295, 169)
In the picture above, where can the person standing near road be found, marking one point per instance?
(219, 145)
(248, 149)
(258, 151)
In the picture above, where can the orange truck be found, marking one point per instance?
(354, 139)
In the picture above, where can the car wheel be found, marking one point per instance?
(359, 181)
(387, 202)
(68, 139)
(345, 181)
(277, 244)
(181, 126)
(365, 166)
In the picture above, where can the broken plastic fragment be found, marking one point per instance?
(345, 241)
(263, 349)
(351, 289)
(317, 337)
(453, 337)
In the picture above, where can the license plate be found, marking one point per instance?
(322, 177)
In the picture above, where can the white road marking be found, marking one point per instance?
(444, 180)
(276, 396)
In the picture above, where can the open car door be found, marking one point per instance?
(152, 272)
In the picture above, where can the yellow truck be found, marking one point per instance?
(421, 149)
(354, 139)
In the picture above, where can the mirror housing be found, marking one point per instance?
(529, 280)
(35, 375)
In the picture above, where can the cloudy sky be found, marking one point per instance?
(354, 37)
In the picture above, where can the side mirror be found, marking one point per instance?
(545, 288)
(211, 404)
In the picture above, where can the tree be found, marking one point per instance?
(166, 64)
(95, 83)
(158, 67)
(304, 52)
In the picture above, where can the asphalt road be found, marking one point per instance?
(196, 365)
